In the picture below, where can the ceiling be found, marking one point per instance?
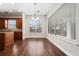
(27, 8)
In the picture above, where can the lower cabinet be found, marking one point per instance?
(17, 35)
(9, 38)
(6, 39)
(2, 39)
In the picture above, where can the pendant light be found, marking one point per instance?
(35, 15)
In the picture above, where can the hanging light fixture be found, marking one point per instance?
(35, 15)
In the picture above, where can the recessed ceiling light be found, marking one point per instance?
(20, 10)
(6, 12)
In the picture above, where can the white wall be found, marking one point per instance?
(24, 26)
(27, 34)
(54, 8)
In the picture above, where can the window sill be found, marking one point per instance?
(71, 41)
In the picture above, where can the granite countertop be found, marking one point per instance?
(10, 30)
(6, 32)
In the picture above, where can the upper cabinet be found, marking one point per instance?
(2, 24)
(10, 23)
(19, 23)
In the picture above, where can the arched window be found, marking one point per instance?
(35, 25)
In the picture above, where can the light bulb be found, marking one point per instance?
(37, 18)
(32, 17)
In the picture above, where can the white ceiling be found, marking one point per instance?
(27, 8)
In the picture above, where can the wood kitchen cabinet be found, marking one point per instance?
(9, 38)
(19, 23)
(2, 24)
(2, 39)
(6, 39)
(17, 35)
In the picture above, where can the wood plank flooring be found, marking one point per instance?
(32, 47)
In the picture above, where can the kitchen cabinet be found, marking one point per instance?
(19, 23)
(17, 35)
(2, 39)
(6, 39)
(9, 38)
(2, 24)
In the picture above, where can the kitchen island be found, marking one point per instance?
(8, 36)
(6, 39)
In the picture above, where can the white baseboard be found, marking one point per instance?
(34, 37)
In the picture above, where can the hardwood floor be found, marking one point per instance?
(32, 47)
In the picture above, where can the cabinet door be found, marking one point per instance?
(2, 23)
(2, 37)
(18, 35)
(9, 38)
(19, 23)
